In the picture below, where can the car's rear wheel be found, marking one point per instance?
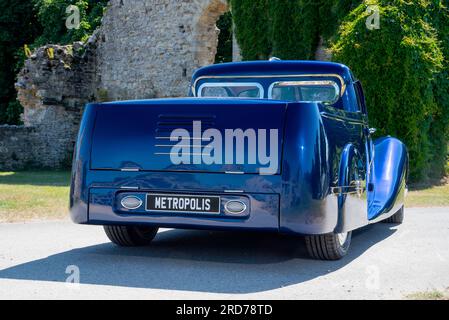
(331, 246)
(397, 218)
(125, 236)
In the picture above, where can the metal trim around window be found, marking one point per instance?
(231, 84)
(317, 75)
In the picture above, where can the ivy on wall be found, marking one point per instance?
(438, 14)
(294, 28)
(402, 68)
(288, 29)
(252, 23)
(403, 65)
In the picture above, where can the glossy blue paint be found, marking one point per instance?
(389, 177)
(332, 177)
(141, 131)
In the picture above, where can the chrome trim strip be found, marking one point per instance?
(347, 190)
(318, 75)
(177, 154)
(181, 146)
(130, 169)
(129, 188)
(234, 191)
(342, 118)
(234, 172)
(184, 138)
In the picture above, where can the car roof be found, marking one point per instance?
(197, 101)
(275, 67)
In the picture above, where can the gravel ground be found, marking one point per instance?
(385, 262)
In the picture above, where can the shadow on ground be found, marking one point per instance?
(215, 262)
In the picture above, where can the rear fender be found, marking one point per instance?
(389, 178)
(79, 192)
(306, 205)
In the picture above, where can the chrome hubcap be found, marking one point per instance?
(342, 237)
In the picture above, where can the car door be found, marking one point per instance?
(369, 144)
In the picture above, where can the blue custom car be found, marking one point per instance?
(273, 146)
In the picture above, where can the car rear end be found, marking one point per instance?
(124, 174)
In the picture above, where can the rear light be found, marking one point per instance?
(131, 203)
(235, 207)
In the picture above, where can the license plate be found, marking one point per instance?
(183, 204)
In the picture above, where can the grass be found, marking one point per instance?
(34, 195)
(429, 295)
(435, 196)
(45, 195)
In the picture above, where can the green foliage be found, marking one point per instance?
(295, 26)
(13, 112)
(404, 66)
(224, 49)
(252, 21)
(18, 25)
(439, 127)
(35, 23)
(288, 29)
(398, 65)
(52, 16)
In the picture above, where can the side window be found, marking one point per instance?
(359, 101)
(360, 97)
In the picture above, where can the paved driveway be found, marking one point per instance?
(385, 261)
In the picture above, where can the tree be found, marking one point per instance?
(18, 26)
(52, 15)
(36, 23)
(224, 48)
(404, 66)
(397, 64)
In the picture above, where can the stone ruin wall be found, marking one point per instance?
(150, 49)
(53, 92)
(143, 49)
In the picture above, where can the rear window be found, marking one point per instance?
(316, 91)
(231, 90)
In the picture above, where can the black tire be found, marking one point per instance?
(328, 246)
(397, 218)
(131, 236)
